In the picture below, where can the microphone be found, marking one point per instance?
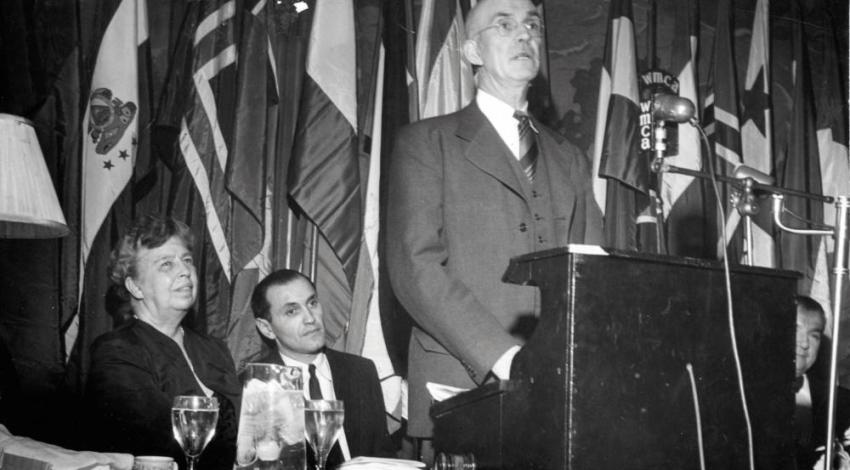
(666, 107)
(744, 171)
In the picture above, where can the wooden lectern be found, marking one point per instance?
(604, 381)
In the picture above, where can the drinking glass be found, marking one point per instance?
(193, 420)
(322, 422)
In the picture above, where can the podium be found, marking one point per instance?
(631, 366)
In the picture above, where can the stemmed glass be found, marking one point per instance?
(322, 422)
(193, 420)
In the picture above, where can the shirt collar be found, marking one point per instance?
(323, 369)
(494, 108)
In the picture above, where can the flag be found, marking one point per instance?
(685, 212)
(110, 129)
(324, 175)
(830, 96)
(621, 176)
(370, 332)
(721, 120)
(200, 107)
(798, 167)
(397, 110)
(832, 128)
(445, 82)
(756, 130)
(250, 174)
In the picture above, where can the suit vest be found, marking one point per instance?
(539, 225)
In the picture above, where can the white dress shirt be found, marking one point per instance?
(326, 385)
(501, 116)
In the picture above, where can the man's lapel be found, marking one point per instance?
(486, 149)
(343, 389)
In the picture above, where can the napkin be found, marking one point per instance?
(381, 463)
(17, 448)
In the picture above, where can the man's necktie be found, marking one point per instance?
(527, 145)
(313, 383)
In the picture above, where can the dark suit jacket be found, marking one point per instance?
(356, 384)
(136, 372)
(806, 456)
(458, 211)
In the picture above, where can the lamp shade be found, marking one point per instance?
(29, 207)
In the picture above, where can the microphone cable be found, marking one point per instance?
(728, 286)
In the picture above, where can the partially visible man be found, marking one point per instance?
(288, 312)
(470, 190)
(812, 391)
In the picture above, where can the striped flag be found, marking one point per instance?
(324, 175)
(445, 82)
(721, 118)
(110, 128)
(756, 130)
(250, 177)
(798, 167)
(621, 176)
(199, 108)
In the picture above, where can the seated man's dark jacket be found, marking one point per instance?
(136, 371)
(356, 383)
(806, 455)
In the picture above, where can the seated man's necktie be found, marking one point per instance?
(313, 383)
(527, 145)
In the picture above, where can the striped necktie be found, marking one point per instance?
(527, 145)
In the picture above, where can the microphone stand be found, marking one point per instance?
(659, 146)
(745, 204)
(839, 233)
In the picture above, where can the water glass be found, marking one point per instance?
(323, 420)
(193, 420)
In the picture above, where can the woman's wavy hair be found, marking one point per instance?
(148, 231)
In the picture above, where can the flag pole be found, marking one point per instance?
(410, 42)
(314, 252)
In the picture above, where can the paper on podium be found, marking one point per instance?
(379, 463)
(442, 392)
(583, 249)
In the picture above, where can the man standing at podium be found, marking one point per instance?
(467, 192)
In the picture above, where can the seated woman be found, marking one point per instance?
(138, 369)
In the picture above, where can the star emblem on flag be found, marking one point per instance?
(754, 102)
(107, 164)
(123, 155)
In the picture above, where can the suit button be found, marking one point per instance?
(534, 193)
(523, 227)
(540, 239)
(537, 217)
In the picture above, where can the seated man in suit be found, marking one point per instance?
(288, 312)
(812, 390)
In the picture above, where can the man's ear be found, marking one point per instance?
(265, 328)
(133, 288)
(471, 52)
